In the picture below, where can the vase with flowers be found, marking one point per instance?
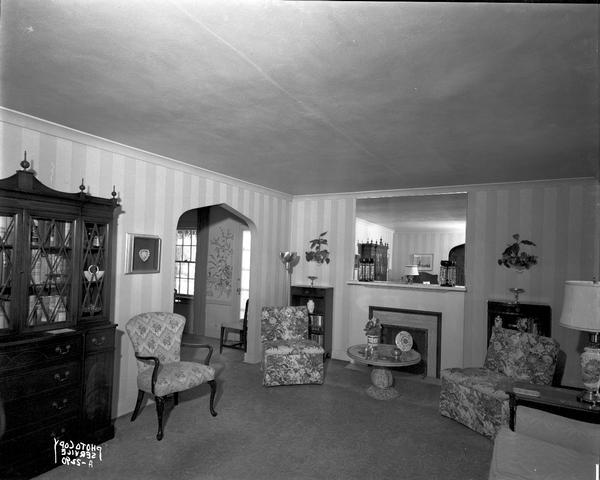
(373, 332)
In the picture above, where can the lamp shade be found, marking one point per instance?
(411, 270)
(581, 306)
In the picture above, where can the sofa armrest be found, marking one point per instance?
(581, 436)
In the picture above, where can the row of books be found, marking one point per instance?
(47, 309)
(50, 233)
(45, 265)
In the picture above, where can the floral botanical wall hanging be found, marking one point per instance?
(220, 265)
(516, 256)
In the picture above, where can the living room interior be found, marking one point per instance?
(290, 114)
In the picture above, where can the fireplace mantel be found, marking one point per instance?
(449, 301)
(411, 286)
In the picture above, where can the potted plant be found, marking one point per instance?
(514, 256)
(318, 250)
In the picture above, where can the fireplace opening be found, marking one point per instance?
(419, 335)
(425, 328)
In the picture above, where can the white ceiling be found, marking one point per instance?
(445, 212)
(318, 97)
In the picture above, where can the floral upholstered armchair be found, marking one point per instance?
(477, 398)
(156, 339)
(289, 357)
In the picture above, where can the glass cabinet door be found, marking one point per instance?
(7, 257)
(94, 265)
(50, 278)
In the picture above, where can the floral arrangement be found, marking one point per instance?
(373, 327)
(317, 252)
(515, 257)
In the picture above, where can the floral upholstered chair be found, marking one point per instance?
(289, 357)
(156, 339)
(477, 398)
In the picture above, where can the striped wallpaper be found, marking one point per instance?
(154, 191)
(562, 217)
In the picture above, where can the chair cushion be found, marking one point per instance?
(284, 323)
(482, 407)
(486, 381)
(292, 347)
(522, 356)
(175, 377)
(237, 325)
(299, 368)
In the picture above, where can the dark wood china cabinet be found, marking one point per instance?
(57, 338)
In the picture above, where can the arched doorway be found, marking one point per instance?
(212, 268)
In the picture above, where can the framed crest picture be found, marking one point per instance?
(143, 253)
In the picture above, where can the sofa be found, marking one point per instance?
(546, 446)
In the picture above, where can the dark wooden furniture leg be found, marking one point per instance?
(512, 402)
(160, 407)
(138, 404)
(213, 391)
(222, 339)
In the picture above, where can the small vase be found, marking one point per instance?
(372, 342)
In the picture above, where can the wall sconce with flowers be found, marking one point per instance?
(289, 260)
(516, 256)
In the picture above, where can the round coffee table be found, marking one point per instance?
(382, 359)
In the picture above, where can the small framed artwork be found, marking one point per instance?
(143, 253)
(424, 261)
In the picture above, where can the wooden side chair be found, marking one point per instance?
(156, 339)
(240, 328)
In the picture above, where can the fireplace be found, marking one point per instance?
(425, 328)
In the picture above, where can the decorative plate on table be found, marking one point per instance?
(404, 341)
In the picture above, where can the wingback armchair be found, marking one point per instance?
(156, 339)
(289, 357)
(477, 398)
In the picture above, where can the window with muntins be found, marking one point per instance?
(185, 261)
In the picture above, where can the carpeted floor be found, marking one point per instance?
(330, 431)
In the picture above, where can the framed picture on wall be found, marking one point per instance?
(424, 261)
(143, 253)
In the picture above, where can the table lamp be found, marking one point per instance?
(581, 311)
(411, 271)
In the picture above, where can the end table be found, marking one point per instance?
(558, 400)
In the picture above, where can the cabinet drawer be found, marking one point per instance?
(33, 382)
(101, 339)
(47, 407)
(309, 292)
(39, 441)
(16, 356)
